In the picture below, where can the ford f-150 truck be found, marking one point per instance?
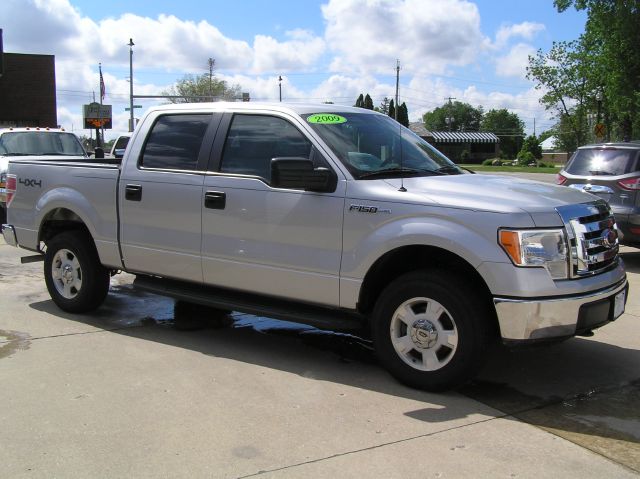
(332, 216)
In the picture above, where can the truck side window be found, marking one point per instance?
(253, 140)
(174, 142)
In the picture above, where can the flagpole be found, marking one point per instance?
(101, 98)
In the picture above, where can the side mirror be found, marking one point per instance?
(300, 174)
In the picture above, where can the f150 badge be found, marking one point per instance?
(28, 182)
(368, 209)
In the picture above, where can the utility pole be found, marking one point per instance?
(132, 119)
(449, 118)
(280, 87)
(397, 87)
(534, 126)
(211, 63)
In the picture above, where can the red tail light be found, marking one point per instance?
(630, 183)
(12, 183)
(561, 180)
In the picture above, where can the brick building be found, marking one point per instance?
(28, 90)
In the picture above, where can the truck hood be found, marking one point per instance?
(501, 194)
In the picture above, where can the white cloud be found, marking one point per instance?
(526, 30)
(426, 35)
(514, 63)
(165, 42)
(362, 40)
(299, 53)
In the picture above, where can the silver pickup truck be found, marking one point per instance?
(332, 216)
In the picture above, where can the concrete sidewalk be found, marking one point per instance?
(120, 393)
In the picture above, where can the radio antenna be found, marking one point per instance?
(395, 117)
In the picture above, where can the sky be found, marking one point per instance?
(324, 50)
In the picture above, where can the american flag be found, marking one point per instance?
(103, 90)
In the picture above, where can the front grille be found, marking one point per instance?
(593, 237)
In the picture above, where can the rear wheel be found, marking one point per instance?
(76, 280)
(431, 330)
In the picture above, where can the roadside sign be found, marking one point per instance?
(599, 130)
(134, 106)
(96, 115)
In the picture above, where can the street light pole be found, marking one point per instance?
(280, 87)
(131, 120)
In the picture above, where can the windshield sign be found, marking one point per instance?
(376, 146)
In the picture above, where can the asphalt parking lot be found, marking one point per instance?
(121, 393)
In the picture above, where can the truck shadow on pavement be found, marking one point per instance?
(583, 390)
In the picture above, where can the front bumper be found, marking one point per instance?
(9, 234)
(540, 319)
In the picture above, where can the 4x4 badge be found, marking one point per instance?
(30, 182)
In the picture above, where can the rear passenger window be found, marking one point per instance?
(174, 142)
(253, 140)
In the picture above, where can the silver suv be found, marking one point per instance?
(612, 172)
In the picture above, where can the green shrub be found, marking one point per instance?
(526, 158)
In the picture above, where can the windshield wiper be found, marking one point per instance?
(449, 169)
(398, 172)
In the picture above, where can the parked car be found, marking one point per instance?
(34, 142)
(328, 215)
(120, 145)
(610, 171)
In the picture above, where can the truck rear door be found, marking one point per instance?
(160, 195)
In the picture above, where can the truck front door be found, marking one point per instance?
(257, 238)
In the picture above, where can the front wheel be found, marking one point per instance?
(431, 329)
(76, 280)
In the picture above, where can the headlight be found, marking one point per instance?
(537, 248)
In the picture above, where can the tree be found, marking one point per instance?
(613, 35)
(368, 102)
(597, 75)
(563, 74)
(454, 116)
(403, 115)
(360, 101)
(392, 109)
(507, 126)
(531, 150)
(202, 88)
(384, 106)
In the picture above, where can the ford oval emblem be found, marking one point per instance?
(609, 237)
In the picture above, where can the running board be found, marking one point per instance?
(319, 317)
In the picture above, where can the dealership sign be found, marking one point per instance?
(96, 115)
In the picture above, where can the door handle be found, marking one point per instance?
(215, 200)
(133, 193)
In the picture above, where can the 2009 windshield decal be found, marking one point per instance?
(326, 119)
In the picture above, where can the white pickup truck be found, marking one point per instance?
(332, 216)
(34, 142)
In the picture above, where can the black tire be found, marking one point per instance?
(76, 280)
(442, 341)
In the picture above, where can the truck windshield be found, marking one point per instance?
(21, 143)
(376, 146)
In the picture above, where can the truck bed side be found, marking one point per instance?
(51, 192)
